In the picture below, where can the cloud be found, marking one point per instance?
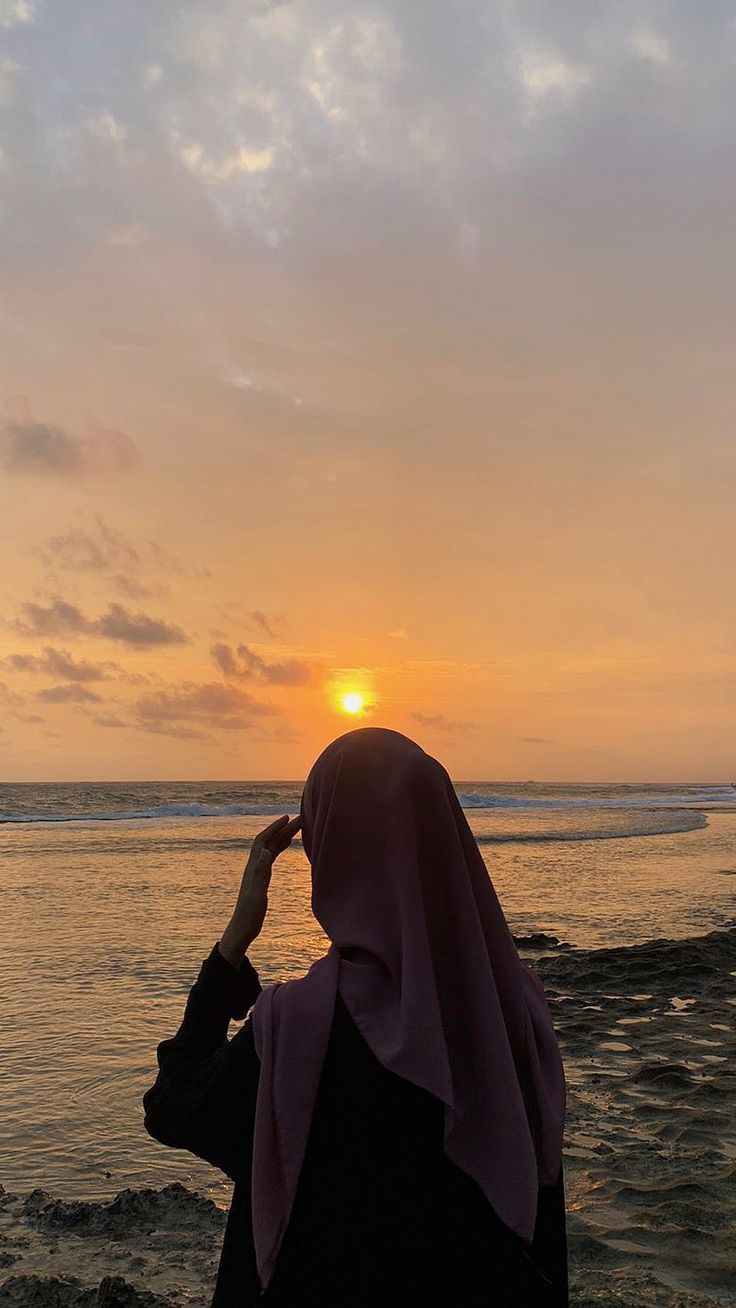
(224, 659)
(221, 169)
(59, 663)
(267, 397)
(135, 570)
(8, 70)
(15, 13)
(72, 694)
(130, 237)
(32, 448)
(244, 663)
(9, 698)
(399, 634)
(595, 233)
(136, 630)
(106, 128)
(55, 619)
(272, 626)
(163, 727)
(109, 721)
(351, 65)
(101, 549)
(438, 722)
(544, 75)
(262, 113)
(537, 740)
(171, 712)
(652, 47)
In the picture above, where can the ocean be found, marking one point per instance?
(621, 896)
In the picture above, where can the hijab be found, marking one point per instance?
(423, 958)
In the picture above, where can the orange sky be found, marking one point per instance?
(378, 348)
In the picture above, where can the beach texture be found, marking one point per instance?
(633, 935)
(650, 1157)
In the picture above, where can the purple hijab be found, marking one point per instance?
(423, 958)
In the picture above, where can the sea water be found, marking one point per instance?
(113, 894)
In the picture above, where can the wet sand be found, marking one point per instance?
(648, 1038)
(141, 1249)
(646, 1028)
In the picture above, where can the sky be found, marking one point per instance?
(383, 349)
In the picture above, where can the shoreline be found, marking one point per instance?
(159, 1248)
(635, 944)
(648, 1040)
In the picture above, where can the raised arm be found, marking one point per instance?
(203, 1099)
(204, 1095)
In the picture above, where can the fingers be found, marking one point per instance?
(279, 834)
(266, 847)
(284, 836)
(269, 832)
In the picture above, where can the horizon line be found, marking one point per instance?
(299, 781)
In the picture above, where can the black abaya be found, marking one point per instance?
(381, 1216)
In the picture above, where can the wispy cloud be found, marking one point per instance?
(60, 663)
(234, 614)
(136, 570)
(55, 619)
(32, 448)
(438, 722)
(15, 13)
(210, 705)
(651, 46)
(9, 698)
(244, 663)
(271, 625)
(106, 128)
(547, 75)
(537, 740)
(136, 630)
(71, 694)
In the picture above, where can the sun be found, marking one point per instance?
(352, 691)
(352, 702)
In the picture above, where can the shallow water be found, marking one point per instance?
(107, 924)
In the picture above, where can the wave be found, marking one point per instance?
(472, 802)
(655, 823)
(156, 811)
(719, 795)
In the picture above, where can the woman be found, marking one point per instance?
(392, 1120)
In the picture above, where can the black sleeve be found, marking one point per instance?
(204, 1096)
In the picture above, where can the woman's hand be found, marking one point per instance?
(250, 910)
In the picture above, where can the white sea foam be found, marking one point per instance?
(646, 798)
(146, 814)
(602, 812)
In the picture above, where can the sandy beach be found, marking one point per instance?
(94, 1213)
(651, 1157)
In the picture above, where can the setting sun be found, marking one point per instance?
(352, 702)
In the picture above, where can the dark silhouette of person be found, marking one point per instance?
(393, 1119)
